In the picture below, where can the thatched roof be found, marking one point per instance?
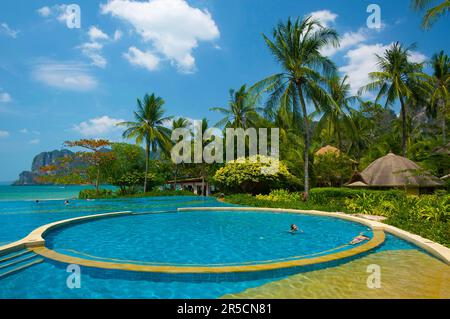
(328, 149)
(357, 184)
(396, 171)
(444, 150)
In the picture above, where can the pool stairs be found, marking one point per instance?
(17, 261)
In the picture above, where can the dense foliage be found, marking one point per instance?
(255, 175)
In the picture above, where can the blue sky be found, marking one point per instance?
(59, 84)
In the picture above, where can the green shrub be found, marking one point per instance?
(91, 194)
(158, 193)
(255, 175)
(318, 195)
(280, 195)
(331, 169)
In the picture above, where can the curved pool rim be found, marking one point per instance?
(35, 241)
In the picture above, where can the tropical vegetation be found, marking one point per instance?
(313, 105)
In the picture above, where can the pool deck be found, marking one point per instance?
(35, 241)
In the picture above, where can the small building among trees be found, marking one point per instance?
(393, 171)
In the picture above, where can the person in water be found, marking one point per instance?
(294, 229)
(359, 239)
(66, 202)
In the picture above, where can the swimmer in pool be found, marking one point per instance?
(294, 229)
(66, 202)
(359, 239)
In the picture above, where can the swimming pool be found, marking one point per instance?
(205, 237)
(169, 237)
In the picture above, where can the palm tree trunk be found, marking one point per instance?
(147, 159)
(404, 133)
(203, 180)
(97, 180)
(444, 125)
(341, 149)
(306, 137)
(444, 131)
(175, 178)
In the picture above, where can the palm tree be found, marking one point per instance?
(297, 47)
(433, 12)
(241, 112)
(438, 86)
(178, 123)
(393, 81)
(149, 128)
(335, 116)
(203, 127)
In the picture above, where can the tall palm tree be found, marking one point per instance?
(434, 10)
(438, 86)
(241, 111)
(176, 124)
(336, 115)
(393, 81)
(149, 128)
(297, 47)
(203, 127)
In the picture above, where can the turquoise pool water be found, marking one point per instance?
(30, 215)
(189, 237)
(205, 238)
(8, 192)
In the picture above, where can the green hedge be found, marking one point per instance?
(92, 193)
(105, 193)
(318, 195)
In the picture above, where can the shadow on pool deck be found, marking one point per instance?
(404, 274)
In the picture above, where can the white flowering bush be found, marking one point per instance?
(256, 175)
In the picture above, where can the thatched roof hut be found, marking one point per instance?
(393, 171)
(328, 149)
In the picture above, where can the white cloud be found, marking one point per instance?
(417, 57)
(58, 11)
(172, 27)
(325, 17)
(5, 97)
(100, 126)
(23, 131)
(93, 50)
(117, 35)
(44, 11)
(362, 60)
(97, 34)
(146, 60)
(65, 75)
(34, 141)
(348, 40)
(6, 30)
(4, 134)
